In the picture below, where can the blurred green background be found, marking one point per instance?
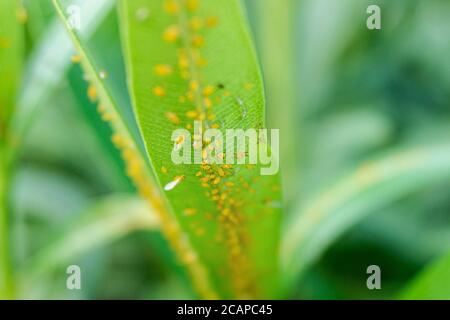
(342, 94)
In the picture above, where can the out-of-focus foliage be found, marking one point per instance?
(432, 283)
(364, 118)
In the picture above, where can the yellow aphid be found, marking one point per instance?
(171, 6)
(198, 174)
(107, 117)
(75, 58)
(171, 34)
(159, 91)
(207, 102)
(211, 117)
(190, 96)
(101, 108)
(192, 5)
(180, 140)
(216, 180)
(119, 141)
(22, 15)
(200, 232)
(229, 184)
(163, 170)
(163, 70)
(92, 93)
(193, 85)
(190, 211)
(172, 184)
(195, 24)
(128, 154)
(192, 114)
(202, 116)
(182, 99)
(248, 86)
(183, 61)
(221, 172)
(205, 154)
(172, 117)
(198, 41)
(212, 21)
(208, 90)
(189, 126)
(215, 126)
(202, 62)
(134, 169)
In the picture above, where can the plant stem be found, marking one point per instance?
(6, 283)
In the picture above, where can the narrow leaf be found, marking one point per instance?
(194, 60)
(107, 220)
(11, 57)
(373, 185)
(113, 99)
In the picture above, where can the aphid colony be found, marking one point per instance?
(185, 34)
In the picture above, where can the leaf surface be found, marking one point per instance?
(194, 60)
(369, 188)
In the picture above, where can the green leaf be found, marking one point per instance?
(369, 188)
(11, 55)
(433, 283)
(103, 69)
(108, 220)
(11, 58)
(50, 61)
(191, 60)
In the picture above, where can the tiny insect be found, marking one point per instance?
(103, 74)
(175, 182)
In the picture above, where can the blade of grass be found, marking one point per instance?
(276, 29)
(373, 185)
(6, 284)
(107, 220)
(126, 140)
(50, 62)
(11, 55)
(194, 60)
